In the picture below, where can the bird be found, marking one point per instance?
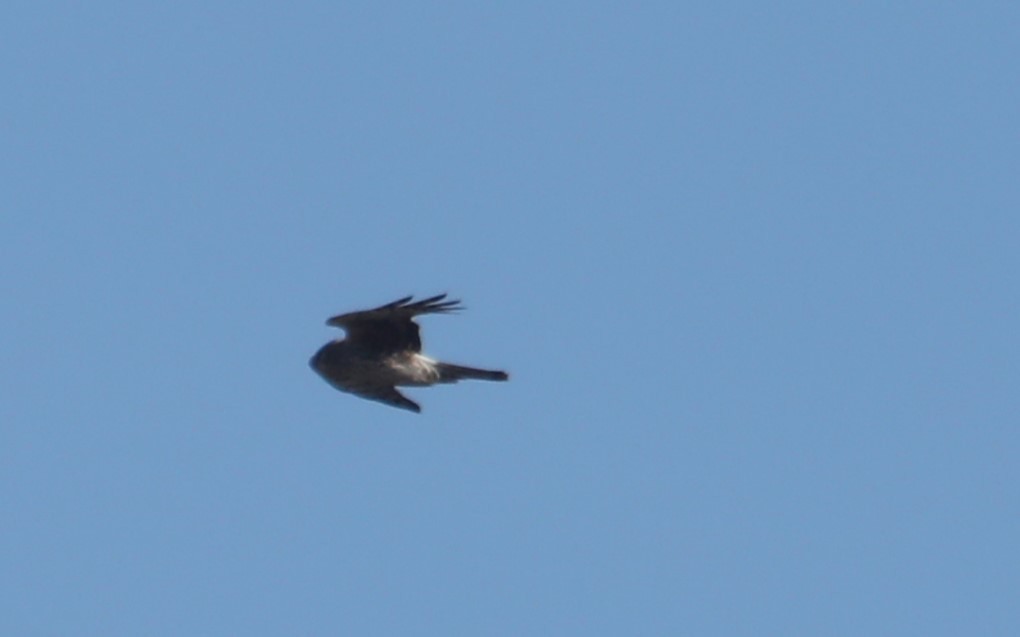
(382, 351)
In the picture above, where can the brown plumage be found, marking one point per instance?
(382, 351)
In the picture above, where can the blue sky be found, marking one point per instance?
(752, 268)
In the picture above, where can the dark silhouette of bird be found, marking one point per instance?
(382, 351)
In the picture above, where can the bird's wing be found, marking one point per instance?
(388, 395)
(391, 328)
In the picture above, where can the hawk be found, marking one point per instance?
(382, 351)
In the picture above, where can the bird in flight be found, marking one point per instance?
(382, 351)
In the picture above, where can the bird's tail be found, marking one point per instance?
(452, 373)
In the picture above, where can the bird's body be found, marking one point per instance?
(382, 351)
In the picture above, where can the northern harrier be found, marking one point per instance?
(383, 351)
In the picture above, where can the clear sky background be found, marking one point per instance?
(752, 268)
